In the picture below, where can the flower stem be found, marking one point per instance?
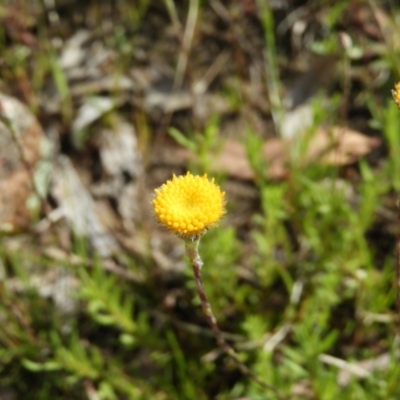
(194, 256)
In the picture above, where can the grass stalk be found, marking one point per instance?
(197, 263)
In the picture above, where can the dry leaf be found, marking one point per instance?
(339, 146)
(79, 208)
(24, 156)
(233, 160)
(122, 162)
(335, 146)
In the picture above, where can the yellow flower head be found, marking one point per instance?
(396, 94)
(189, 205)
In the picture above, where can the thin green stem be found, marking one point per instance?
(397, 266)
(194, 256)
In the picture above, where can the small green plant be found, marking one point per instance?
(203, 145)
(188, 206)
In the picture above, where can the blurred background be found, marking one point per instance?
(288, 105)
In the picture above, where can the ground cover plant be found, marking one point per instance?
(288, 106)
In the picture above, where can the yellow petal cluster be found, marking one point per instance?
(396, 94)
(189, 205)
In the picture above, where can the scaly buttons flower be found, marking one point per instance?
(189, 205)
(396, 94)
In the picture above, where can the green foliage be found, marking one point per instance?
(220, 252)
(302, 287)
(391, 127)
(204, 145)
(107, 304)
(272, 67)
(188, 389)
(62, 86)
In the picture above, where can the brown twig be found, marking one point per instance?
(108, 264)
(197, 263)
(186, 41)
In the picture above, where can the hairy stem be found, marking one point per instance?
(197, 263)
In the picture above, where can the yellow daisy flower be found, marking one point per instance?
(189, 205)
(396, 94)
